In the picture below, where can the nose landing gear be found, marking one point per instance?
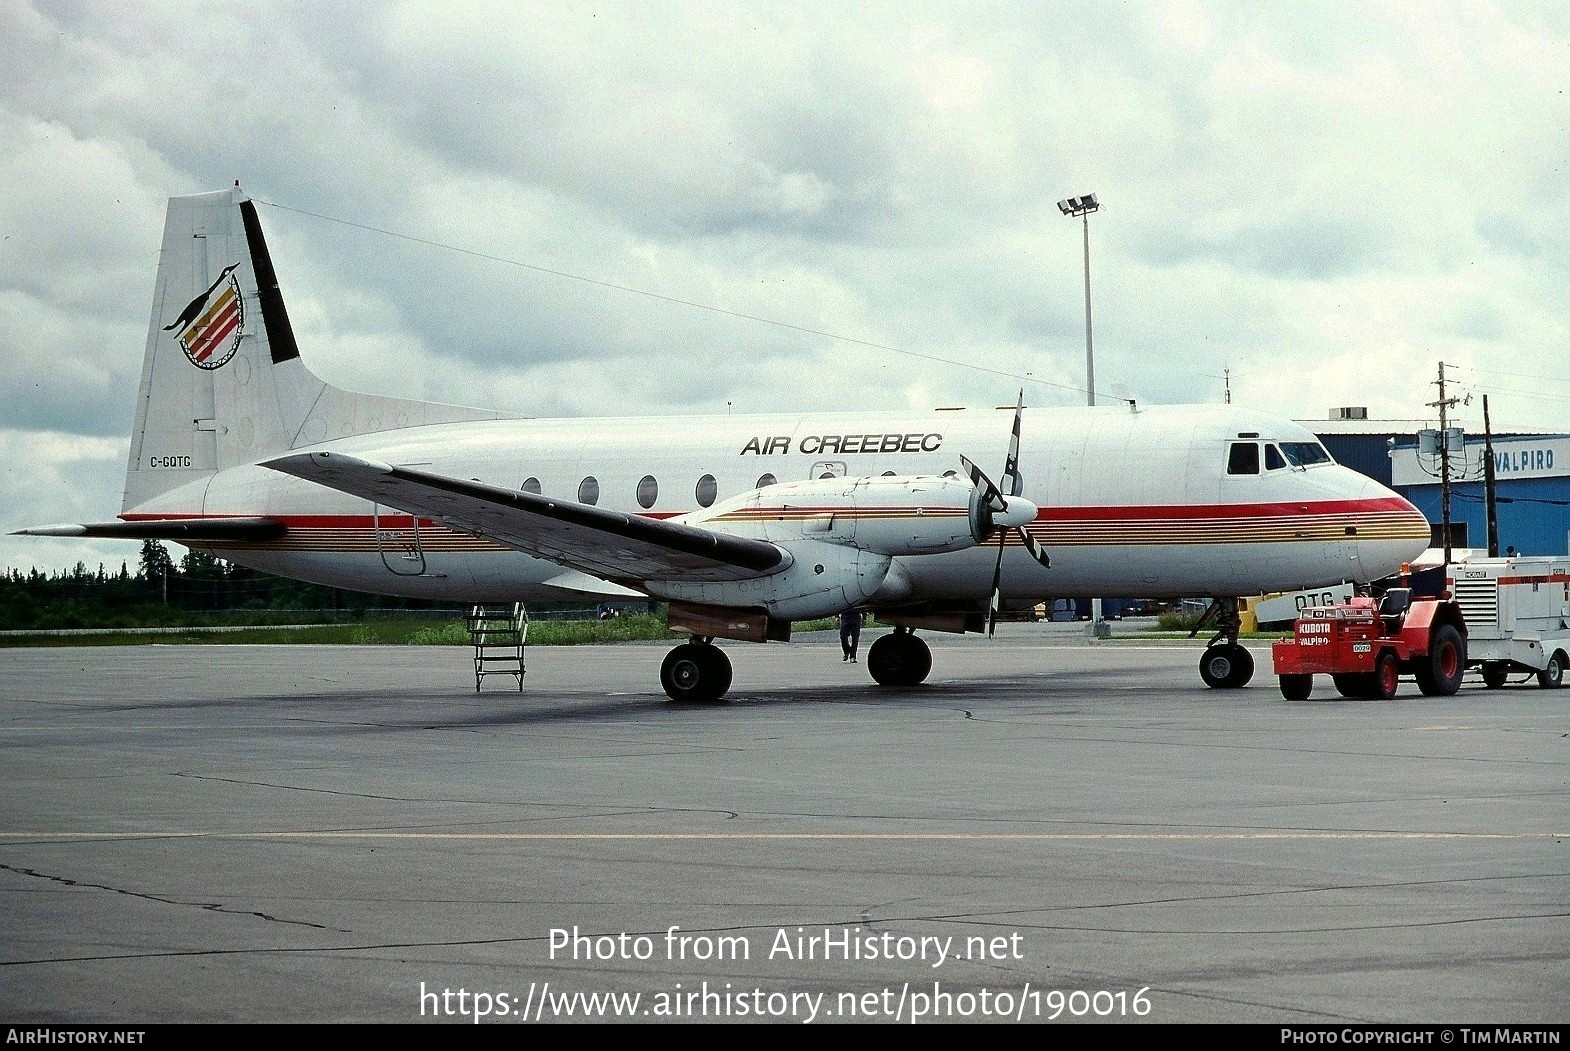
(1224, 665)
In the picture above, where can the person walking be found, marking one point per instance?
(850, 634)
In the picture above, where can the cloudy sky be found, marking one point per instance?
(1325, 198)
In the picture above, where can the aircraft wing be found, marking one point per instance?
(594, 540)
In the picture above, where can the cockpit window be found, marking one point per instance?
(1305, 454)
(1243, 458)
(1273, 459)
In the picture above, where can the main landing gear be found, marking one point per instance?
(696, 672)
(899, 659)
(1224, 665)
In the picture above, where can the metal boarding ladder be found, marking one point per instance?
(499, 635)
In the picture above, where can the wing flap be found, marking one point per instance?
(594, 540)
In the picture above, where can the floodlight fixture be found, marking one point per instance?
(1077, 206)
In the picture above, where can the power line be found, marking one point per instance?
(1521, 375)
(1027, 378)
(1516, 392)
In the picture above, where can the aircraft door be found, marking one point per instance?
(400, 547)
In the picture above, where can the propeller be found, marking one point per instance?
(991, 512)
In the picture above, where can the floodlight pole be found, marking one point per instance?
(1090, 355)
(1082, 206)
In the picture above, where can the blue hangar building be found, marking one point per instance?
(1531, 472)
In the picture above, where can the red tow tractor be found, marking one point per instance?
(1365, 646)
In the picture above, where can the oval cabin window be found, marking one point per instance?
(648, 491)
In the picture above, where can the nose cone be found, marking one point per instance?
(1391, 531)
(1020, 512)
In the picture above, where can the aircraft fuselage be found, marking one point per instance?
(1131, 503)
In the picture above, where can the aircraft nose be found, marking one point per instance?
(1392, 531)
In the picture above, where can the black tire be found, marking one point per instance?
(695, 673)
(900, 659)
(1439, 673)
(1353, 684)
(1387, 676)
(1226, 667)
(1244, 670)
(719, 670)
(1297, 687)
(1553, 676)
(1495, 673)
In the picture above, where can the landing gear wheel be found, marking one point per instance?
(1553, 676)
(1494, 674)
(900, 659)
(1226, 666)
(1387, 676)
(695, 672)
(1440, 672)
(1297, 687)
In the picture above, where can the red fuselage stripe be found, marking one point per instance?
(1135, 513)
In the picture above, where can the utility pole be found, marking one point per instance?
(1226, 377)
(1443, 405)
(1490, 505)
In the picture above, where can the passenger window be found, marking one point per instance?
(589, 490)
(767, 479)
(1273, 459)
(706, 490)
(1243, 458)
(531, 485)
(648, 491)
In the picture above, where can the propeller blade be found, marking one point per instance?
(1037, 552)
(989, 492)
(1011, 485)
(997, 588)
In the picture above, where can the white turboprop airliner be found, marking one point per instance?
(742, 524)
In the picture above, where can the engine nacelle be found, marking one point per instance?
(893, 515)
(822, 579)
(842, 535)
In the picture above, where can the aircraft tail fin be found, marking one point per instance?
(222, 379)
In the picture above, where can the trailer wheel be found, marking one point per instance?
(1440, 672)
(1297, 687)
(1495, 673)
(1551, 677)
(1387, 676)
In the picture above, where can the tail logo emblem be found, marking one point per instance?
(210, 335)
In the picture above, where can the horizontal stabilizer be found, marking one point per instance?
(595, 540)
(183, 530)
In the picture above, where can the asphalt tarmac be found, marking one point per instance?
(1047, 829)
